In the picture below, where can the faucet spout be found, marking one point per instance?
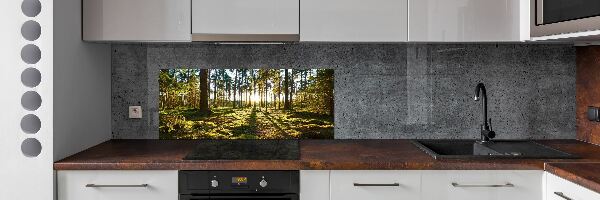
(486, 131)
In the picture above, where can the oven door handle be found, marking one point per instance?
(245, 196)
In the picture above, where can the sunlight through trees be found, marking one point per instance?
(246, 103)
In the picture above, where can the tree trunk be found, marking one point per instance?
(292, 90)
(240, 89)
(204, 91)
(266, 96)
(330, 87)
(235, 85)
(279, 91)
(215, 92)
(286, 91)
(253, 88)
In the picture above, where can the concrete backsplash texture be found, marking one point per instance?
(382, 90)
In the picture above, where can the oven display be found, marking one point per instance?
(239, 181)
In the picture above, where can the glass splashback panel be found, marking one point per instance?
(246, 103)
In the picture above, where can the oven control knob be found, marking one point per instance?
(263, 183)
(214, 183)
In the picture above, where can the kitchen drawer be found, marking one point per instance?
(482, 185)
(162, 185)
(375, 185)
(560, 189)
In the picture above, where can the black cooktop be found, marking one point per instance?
(245, 150)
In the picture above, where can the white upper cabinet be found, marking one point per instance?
(468, 20)
(353, 20)
(136, 20)
(245, 20)
(307, 20)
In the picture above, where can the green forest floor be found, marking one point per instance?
(244, 123)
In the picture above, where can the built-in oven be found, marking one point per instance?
(553, 17)
(238, 185)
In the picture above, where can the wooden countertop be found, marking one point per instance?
(314, 154)
(584, 174)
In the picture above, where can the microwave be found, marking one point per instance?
(555, 17)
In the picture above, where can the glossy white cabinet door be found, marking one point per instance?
(162, 185)
(482, 185)
(560, 189)
(353, 20)
(389, 185)
(468, 20)
(314, 185)
(245, 16)
(136, 20)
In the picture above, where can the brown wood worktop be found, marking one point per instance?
(314, 154)
(584, 174)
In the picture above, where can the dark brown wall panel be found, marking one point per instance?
(588, 92)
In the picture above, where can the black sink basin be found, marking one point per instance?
(470, 149)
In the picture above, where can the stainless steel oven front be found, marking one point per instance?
(554, 17)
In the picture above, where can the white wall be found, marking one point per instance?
(21, 177)
(82, 97)
(82, 84)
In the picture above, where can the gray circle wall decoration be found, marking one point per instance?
(31, 8)
(31, 77)
(31, 124)
(31, 30)
(31, 147)
(31, 54)
(31, 100)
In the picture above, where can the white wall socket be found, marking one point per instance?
(135, 112)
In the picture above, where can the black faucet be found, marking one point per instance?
(486, 129)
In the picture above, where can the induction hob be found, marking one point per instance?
(245, 150)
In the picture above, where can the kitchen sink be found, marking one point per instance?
(472, 149)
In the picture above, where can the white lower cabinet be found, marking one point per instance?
(436, 185)
(482, 185)
(560, 189)
(341, 185)
(117, 185)
(314, 185)
(375, 185)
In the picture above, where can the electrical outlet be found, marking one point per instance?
(135, 112)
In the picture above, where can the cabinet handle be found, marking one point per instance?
(560, 194)
(376, 184)
(115, 186)
(499, 185)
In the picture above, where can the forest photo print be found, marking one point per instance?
(246, 103)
